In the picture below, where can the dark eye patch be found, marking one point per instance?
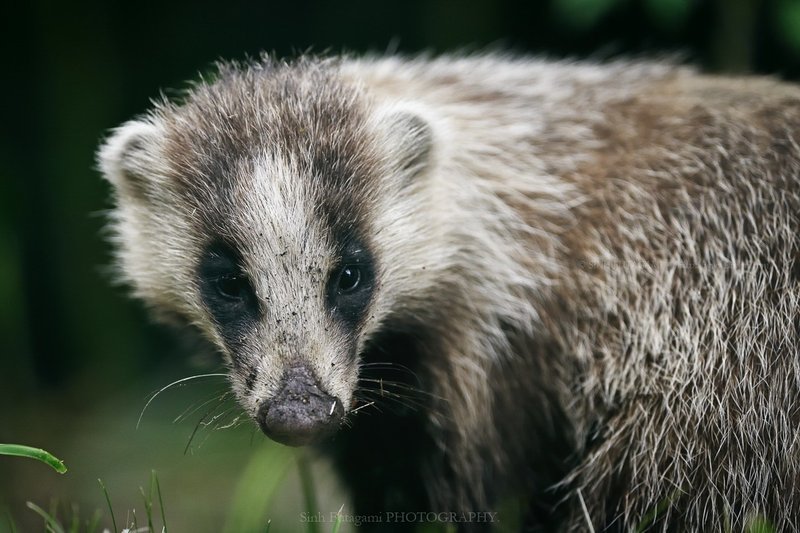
(227, 292)
(351, 283)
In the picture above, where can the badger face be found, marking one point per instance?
(250, 211)
(288, 298)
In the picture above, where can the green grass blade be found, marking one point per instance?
(95, 522)
(309, 491)
(75, 523)
(148, 508)
(256, 487)
(108, 500)
(338, 523)
(34, 453)
(11, 524)
(160, 503)
(759, 524)
(52, 523)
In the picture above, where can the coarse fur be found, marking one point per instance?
(585, 278)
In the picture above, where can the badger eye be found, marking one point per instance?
(349, 278)
(232, 286)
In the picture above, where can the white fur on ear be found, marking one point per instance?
(410, 140)
(129, 158)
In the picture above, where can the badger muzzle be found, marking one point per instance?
(301, 412)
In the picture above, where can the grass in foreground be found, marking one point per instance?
(39, 454)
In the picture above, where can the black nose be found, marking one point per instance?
(300, 413)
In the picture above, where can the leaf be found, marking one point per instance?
(34, 453)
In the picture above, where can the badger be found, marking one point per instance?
(482, 279)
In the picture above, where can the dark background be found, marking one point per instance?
(77, 358)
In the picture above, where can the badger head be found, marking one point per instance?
(277, 210)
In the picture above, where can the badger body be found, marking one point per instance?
(474, 280)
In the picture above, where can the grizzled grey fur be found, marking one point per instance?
(583, 279)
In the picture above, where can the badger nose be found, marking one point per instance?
(301, 412)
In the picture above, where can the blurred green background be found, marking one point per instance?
(78, 359)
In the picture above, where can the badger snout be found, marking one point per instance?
(301, 412)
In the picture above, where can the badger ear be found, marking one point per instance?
(410, 141)
(129, 157)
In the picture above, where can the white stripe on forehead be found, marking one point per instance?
(288, 255)
(288, 252)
